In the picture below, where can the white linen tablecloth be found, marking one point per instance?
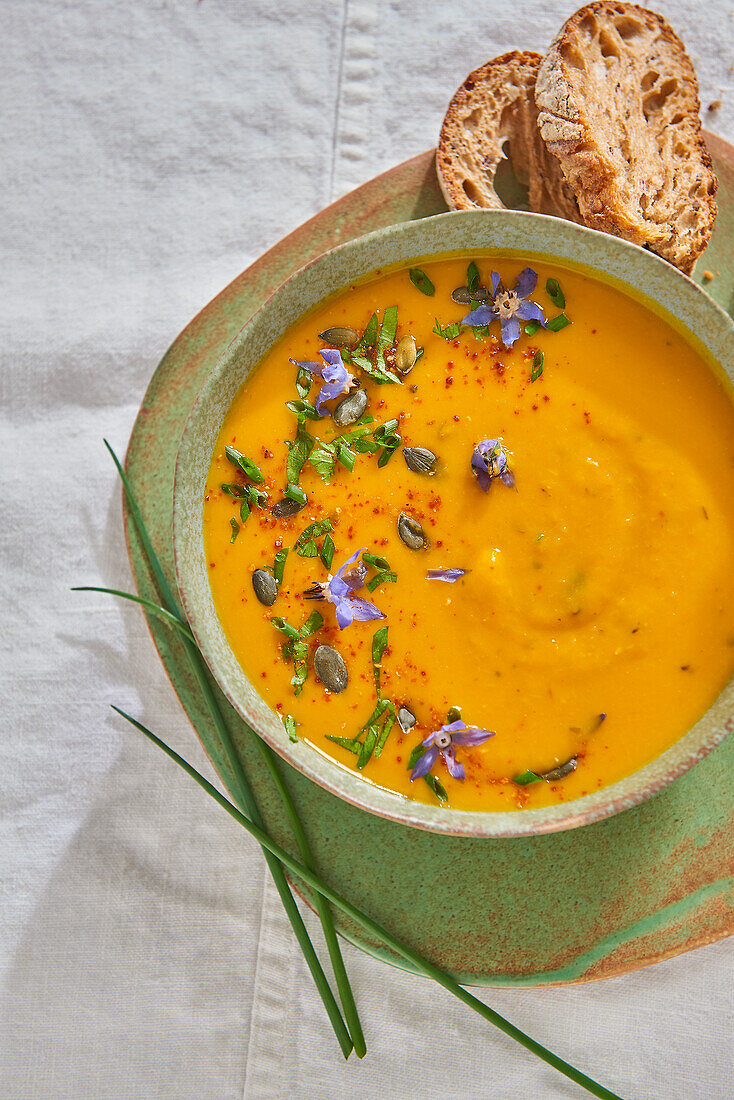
(153, 149)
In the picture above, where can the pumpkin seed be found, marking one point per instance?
(331, 669)
(287, 507)
(350, 409)
(411, 533)
(406, 719)
(406, 354)
(339, 337)
(266, 588)
(419, 459)
(463, 296)
(561, 771)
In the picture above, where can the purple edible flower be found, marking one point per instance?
(450, 575)
(333, 372)
(489, 460)
(339, 590)
(443, 742)
(511, 306)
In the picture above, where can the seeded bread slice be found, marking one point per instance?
(496, 105)
(618, 106)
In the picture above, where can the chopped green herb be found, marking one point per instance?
(303, 382)
(373, 559)
(472, 278)
(345, 455)
(384, 577)
(233, 490)
(368, 747)
(388, 328)
(525, 778)
(448, 332)
(284, 627)
(419, 279)
(379, 373)
(531, 328)
(313, 531)
(415, 755)
(437, 787)
(537, 368)
(352, 743)
(295, 492)
(242, 463)
(299, 449)
(244, 511)
(279, 567)
(368, 336)
(304, 410)
(555, 293)
(290, 727)
(235, 528)
(327, 552)
(300, 666)
(454, 715)
(309, 549)
(313, 623)
(379, 644)
(387, 726)
(557, 323)
(323, 459)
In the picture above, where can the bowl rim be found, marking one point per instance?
(318, 766)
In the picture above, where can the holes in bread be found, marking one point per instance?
(654, 100)
(573, 56)
(627, 27)
(608, 44)
(472, 120)
(512, 193)
(648, 80)
(472, 192)
(588, 26)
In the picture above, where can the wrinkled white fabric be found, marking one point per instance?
(151, 151)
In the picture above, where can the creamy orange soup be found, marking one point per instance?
(594, 621)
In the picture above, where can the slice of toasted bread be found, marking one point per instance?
(618, 106)
(493, 106)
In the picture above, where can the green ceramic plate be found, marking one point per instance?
(624, 892)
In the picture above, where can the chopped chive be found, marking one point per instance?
(379, 644)
(242, 463)
(346, 456)
(233, 490)
(388, 328)
(437, 787)
(290, 727)
(279, 567)
(525, 778)
(385, 731)
(556, 295)
(300, 666)
(244, 511)
(419, 279)
(537, 369)
(557, 323)
(327, 552)
(472, 277)
(531, 328)
(235, 528)
(368, 336)
(295, 492)
(284, 627)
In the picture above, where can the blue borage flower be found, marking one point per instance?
(450, 575)
(443, 742)
(333, 373)
(340, 589)
(510, 306)
(489, 460)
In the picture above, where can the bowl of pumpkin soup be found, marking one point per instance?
(454, 523)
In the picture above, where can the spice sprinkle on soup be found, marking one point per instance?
(469, 530)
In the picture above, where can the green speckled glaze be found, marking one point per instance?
(648, 882)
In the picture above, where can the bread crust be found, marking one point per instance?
(618, 106)
(494, 105)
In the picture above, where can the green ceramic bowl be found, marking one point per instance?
(529, 236)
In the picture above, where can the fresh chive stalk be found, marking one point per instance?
(423, 966)
(244, 794)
